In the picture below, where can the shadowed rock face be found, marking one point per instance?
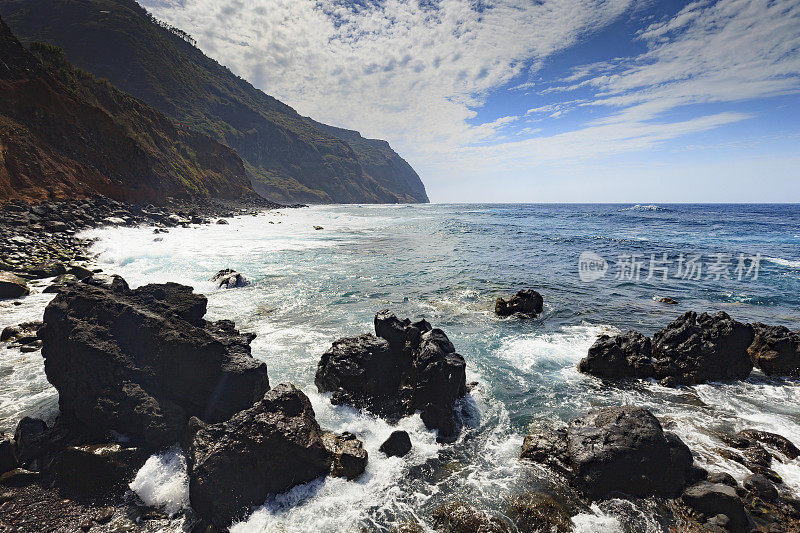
(406, 367)
(615, 450)
(776, 350)
(692, 349)
(266, 449)
(141, 362)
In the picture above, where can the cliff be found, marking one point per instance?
(290, 158)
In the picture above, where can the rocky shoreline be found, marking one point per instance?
(141, 371)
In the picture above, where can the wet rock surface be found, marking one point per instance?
(141, 362)
(713, 499)
(692, 349)
(406, 367)
(347, 455)
(458, 517)
(265, 449)
(776, 350)
(229, 279)
(397, 445)
(526, 303)
(615, 451)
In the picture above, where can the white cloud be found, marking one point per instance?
(395, 69)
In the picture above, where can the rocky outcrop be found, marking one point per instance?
(692, 349)
(397, 445)
(12, 286)
(622, 356)
(617, 450)
(776, 350)
(265, 449)
(526, 303)
(141, 362)
(699, 348)
(228, 278)
(407, 367)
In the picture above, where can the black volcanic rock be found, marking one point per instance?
(407, 367)
(265, 449)
(617, 450)
(712, 499)
(692, 349)
(347, 455)
(776, 350)
(526, 302)
(622, 356)
(699, 348)
(397, 445)
(141, 362)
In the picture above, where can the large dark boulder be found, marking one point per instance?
(699, 348)
(407, 367)
(99, 469)
(140, 362)
(266, 449)
(526, 302)
(617, 450)
(621, 356)
(712, 499)
(776, 350)
(12, 286)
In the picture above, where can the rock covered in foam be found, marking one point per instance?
(140, 362)
(406, 367)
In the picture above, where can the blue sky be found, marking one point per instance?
(537, 101)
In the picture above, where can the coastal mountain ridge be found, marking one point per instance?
(65, 134)
(289, 158)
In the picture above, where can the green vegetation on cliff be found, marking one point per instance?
(290, 158)
(65, 134)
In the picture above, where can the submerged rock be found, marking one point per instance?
(776, 350)
(692, 349)
(457, 517)
(408, 367)
(526, 302)
(617, 450)
(265, 449)
(12, 286)
(141, 362)
(229, 279)
(397, 445)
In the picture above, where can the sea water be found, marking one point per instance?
(448, 263)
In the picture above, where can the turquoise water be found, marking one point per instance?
(447, 263)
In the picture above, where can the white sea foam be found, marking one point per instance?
(645, 207)
(163, 482)
(595, 522)
(783, 262)
(562, 348)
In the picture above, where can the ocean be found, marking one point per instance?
(600, 268)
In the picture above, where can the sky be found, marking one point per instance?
(537, 100)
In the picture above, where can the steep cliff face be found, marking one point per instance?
(65, 134)
(290, 158)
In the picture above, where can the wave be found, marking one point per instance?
(647, 207)
(783, 262)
